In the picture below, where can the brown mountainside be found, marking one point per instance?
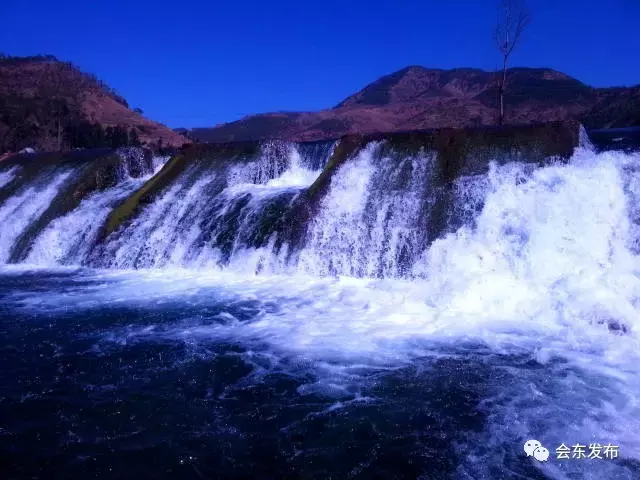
(416, 98)
(41, 98)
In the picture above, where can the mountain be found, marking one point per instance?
(49, 104)
(615, 108)
(417, 98)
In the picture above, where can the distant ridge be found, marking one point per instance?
(417, 98)
(43, 100)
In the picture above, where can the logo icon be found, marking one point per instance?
(541, 454)
(533, 448)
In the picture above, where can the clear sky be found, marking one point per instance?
(198, 63)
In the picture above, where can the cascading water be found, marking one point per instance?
(8, 176)
(369, 223)
(209, 215)
(371, 344)
(25, 207)
(69, 238)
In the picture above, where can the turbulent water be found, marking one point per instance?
(193, 342)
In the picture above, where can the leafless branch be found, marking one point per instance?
(514, 19)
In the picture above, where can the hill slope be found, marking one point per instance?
(416, 98)
(51, 104)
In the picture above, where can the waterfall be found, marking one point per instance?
(377, 208)
(212, 212)
(7, 177)
(25, 206)
(424, 288)
(369, 224)
(51, 212)
(68, 240)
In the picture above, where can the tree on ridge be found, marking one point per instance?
(512, 21)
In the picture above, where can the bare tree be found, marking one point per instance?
(513, 20)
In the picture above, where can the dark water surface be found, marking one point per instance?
(98, 387)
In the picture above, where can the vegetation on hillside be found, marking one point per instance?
(43, 105)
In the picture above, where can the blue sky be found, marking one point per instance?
(199, 63)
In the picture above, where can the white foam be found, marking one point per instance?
(369, 221)
(263, 177)
(158, 161)
(69, 239)
(154, 238)
(170, 232)
(336, 232)
(547, 258)
(7, 176)
(23, 208)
